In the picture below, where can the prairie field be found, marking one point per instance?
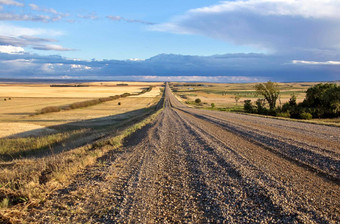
(62, 142)
(20, 102)
(223, 95)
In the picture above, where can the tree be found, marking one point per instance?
(323, 100)
(198, 100)
(292, 100)
(270, 91)
(237, 98)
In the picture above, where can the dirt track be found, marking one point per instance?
(205, 166)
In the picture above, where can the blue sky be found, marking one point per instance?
(287, 40)
(88, 30)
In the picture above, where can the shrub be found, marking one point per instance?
(198, 100)
(212, 105)
(248, 106)
(260, 104)
(125, 94)
(283, 114)
(49, 110)
(306, 116)
(119, 103)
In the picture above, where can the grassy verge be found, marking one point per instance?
(27, 182)
(30, 146)
(334, 122)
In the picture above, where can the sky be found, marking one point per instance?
(192, 40)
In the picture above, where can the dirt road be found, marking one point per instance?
(208, 167)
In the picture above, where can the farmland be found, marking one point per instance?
(179, 165)
(58, 142)
(223, 95)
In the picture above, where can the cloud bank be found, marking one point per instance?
(276, 26)
(170, 67)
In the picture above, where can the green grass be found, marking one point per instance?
(236, 108)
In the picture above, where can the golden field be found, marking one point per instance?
(40, 153)
(19, 103)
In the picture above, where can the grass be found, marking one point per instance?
(88, 103)
(32, 146)
(223, 95)
(33, 167)
(27, 182)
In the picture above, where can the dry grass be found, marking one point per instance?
(17, 108)
(44, 151)
(39, 90)
(15, 113)
(28, 181)
(153, 93)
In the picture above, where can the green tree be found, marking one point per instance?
(292, 100)
(237, 98)
(323, 100)
(270, 91)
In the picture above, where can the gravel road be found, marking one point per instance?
(198, 166)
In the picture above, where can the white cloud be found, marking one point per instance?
(80, 67)
(11, 49)
(120, 18)
(11, 2)
(47, 10)
(15, 31)
(51, 47)
(92, 16)
(29, 17)
(304, 8)
(316, 62)
(283, 26)
(29, 37)
(114, 18)
(136, 59)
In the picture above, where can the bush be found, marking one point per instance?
(248, 106)
(49, 110)
(283, 114)
(212, 105)
(125, 94)
(306, 116)
(260, 104)
(198, 100)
